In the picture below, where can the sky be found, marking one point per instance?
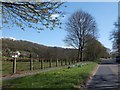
(105, 14)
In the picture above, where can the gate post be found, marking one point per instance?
(57, 62)
(14, 65)
(31, 62)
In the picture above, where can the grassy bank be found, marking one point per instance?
(64, 78)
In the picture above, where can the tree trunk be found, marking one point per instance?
(81, 54)
(78, 59)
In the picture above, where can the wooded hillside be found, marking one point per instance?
(37, 50)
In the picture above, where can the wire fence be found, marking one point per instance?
(17, 65)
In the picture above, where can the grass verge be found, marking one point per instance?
(63, 78)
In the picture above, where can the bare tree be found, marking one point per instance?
(81, 26)
(37, 15)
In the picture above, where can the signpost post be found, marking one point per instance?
(14, 65)
(15, 55)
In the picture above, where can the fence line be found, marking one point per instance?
(42, 63)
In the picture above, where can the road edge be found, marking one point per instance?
(91, 75)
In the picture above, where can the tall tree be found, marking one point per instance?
(116, 36)
(95, 50)
(80, 27)
(37, 15)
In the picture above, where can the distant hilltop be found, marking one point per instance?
(9, 38)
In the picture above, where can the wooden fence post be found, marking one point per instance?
(14, 65)
(31, 62)
(69, 61)
(50, 63)
(57, 62)
(74, 61)
(61, 62)
(41, 63)
(65, 61)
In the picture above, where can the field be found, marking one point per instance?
(64, 78)
(24, 66)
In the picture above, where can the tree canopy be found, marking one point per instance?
(95, 50)
(37, 15)
(81, 27)
(116, 36)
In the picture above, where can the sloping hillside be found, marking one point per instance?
(38, 50)
(26, 47)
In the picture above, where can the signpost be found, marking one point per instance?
(15, 55)
(14, 65)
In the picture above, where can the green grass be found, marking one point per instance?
(63, 78)
(0, 83)
(7, 66)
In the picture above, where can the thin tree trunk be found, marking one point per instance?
(81, 54)
(78, 55)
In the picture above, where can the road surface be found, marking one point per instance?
(107, 76)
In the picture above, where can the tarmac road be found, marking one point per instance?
(107, 77)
